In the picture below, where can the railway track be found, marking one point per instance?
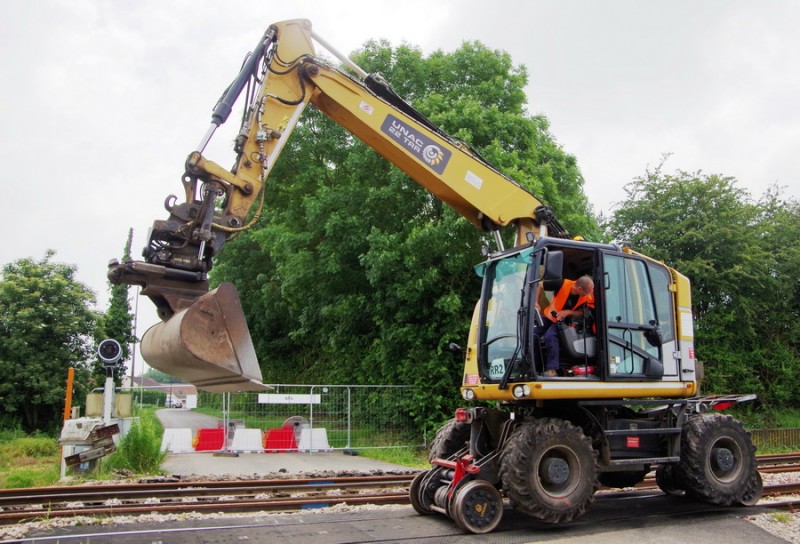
(275, 495)
(176, 497)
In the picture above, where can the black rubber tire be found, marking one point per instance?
(667, 480)
(450, 438)
(628, 478)
(717, 459)
(477, 507)
(548, 470)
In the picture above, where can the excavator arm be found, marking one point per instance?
(280, 78)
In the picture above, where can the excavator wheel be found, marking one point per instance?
(450, 438)
(667, 480)
(718, 459)
(477, 507)
(548, 469)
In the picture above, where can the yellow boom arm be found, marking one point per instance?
(281, 77)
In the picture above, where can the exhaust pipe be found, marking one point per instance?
(207, 344)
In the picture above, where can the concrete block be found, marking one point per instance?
(247, 440)
(177, 441)
(314, 440)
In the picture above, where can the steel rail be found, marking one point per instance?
(229, 506)
(207, 484)
(177, 490)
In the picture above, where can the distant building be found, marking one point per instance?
(179, 395)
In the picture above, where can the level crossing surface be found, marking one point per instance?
(633, 519)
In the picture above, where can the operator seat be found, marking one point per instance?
(576, 347)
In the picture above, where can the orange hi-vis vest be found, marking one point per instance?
(560, 298)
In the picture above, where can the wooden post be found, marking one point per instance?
(67, 450)
(68, 401)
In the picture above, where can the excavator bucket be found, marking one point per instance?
(207, 344)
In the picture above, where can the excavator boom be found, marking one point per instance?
(203, 337)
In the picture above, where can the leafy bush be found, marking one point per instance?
(139, 450)
(152, 397)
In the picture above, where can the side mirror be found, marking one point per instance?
(553, 265)
(653, 368)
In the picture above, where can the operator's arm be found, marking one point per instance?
(564, 314)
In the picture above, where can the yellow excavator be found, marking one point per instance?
(622, 398)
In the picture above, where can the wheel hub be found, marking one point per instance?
(554, 471)
(723, 460)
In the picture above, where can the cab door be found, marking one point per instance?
(633, 334)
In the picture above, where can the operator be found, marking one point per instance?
(568, 301)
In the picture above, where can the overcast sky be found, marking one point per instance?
(103, 100)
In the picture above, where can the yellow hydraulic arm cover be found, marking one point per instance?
(294, 76)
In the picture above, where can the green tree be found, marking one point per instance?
(742, 260)
(161, 377)
(46, 326)
(697, 223)
(777, 305)
(356, 274)
(116, 322)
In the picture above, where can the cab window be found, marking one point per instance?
(630, 309)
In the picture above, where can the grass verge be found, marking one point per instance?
(413, 457)
(28, 461)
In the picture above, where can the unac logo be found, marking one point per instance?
(432, 154)
(414, 141)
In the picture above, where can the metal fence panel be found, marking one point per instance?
(774, 438)
(324, 417)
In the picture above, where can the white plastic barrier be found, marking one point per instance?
(247, 440)
(313, 440)
(177, 441)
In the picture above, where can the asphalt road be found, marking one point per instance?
(178, 418)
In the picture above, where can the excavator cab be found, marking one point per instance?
(629, 336)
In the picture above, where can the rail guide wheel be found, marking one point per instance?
(755, 489)
(476, 507)
(420, 494)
